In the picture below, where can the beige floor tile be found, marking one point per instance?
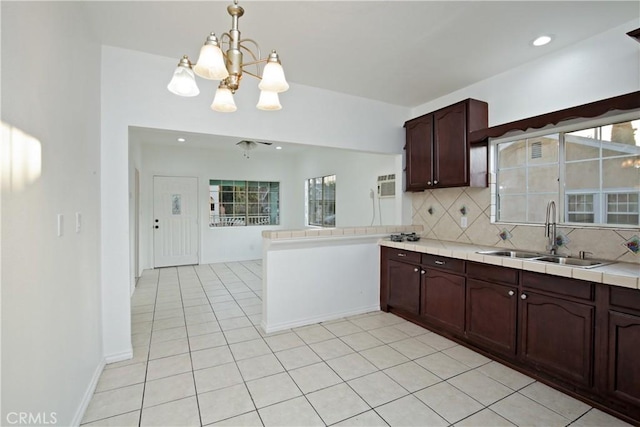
(169, 334)
(211, 357)
(130, 419)
(168, 389)
(314, 377)
(523, 411)
(273, 389)
(284, 341)
(410, 412)
(436, 341)
(225, 403)
(480, 387)
(559, 402)
(361, 341)
(388, 334)
(411, 329)
(377, 389)
(259, 367)
(442, 365)
(412, 348)
(234, 323)
(449, 402)
(114, 402)
(342, 328)
(250, 419)
(507, 376)
(291, 413)
(121, 377)
(384, 357)
(201, 342)
(337, 403)
(297, 357)
(466, 356)
(217, 377)
(202, 328)
(241, 334)
(168, 366)
(366, 419)
(171, 322)
(249, 349)
(313, 334)
(486, 417)
(169, 348)
(179, 413)
(331, 349)
(351, 366)
(412, 376)
(597, 418)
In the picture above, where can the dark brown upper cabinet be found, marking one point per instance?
(438, 149)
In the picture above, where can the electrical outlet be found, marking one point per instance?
(463, 222)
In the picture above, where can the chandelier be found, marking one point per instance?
(228, 67)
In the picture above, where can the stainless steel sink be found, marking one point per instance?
(561, 260)
(574, 262)
(512, 254)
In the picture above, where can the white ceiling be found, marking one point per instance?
(399, 52)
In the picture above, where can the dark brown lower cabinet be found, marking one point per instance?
(491, 316)
(404, 286)
(624, 366)
(443, 296)
(556, 337)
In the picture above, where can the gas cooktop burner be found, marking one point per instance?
(410, 237)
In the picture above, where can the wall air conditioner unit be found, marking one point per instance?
(387, 186)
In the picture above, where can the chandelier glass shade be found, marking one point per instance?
(228, 67)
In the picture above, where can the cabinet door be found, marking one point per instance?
(451, 149)
(404, 286)
(556, 336)
(491, 316)
(624, 344)
(443, 297)
(419, 155)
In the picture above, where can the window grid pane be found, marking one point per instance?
(321, 201)
(241, 203)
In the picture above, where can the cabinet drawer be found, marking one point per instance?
(451, 264)
(626, 298)
(402, 255)
(492, 273)
(558, 285)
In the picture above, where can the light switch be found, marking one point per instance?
(60, 225)
(463, 222)
(78, 222)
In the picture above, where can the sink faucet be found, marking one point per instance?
(550, 227)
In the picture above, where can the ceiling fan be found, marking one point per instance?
(250, 145)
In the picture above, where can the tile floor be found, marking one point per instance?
(201, 358)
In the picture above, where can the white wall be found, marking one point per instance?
(356, 174)
(599, 67)
(51, 322)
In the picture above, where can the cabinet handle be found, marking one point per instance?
(435, 182)
(402, 254)
(511, 293)
(422, 272)
(523, 296)
(428, 182)
(440, 262)
(415, 269)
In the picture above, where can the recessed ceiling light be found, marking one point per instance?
(541, 41)
(181, 140)
(278, 148)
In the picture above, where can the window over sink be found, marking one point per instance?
(591, 171)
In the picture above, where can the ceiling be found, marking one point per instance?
(400, 52)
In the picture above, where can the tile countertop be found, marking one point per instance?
(618, 274)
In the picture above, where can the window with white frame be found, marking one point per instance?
(241, 203)
(321, 201)
(592, 173)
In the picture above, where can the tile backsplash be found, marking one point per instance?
(440, 212)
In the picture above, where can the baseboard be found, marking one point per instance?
(316, 319)
(119, 357)
(88, 394)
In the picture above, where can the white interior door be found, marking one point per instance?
(175, 221)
